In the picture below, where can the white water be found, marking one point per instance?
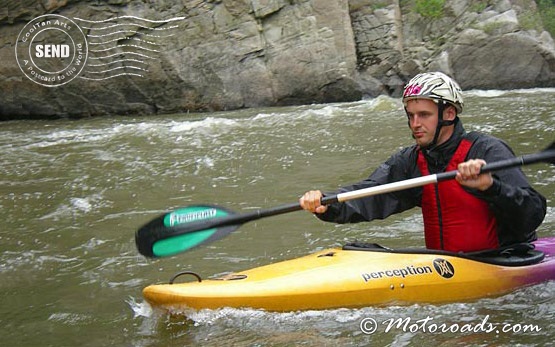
(72, 194)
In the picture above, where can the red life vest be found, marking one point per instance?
(455, 220)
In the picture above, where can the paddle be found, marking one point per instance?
(180, 230)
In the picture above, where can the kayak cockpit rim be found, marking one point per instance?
(521, 254)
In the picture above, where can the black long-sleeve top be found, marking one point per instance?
(518, 208)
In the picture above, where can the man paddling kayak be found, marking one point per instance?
(476, 211)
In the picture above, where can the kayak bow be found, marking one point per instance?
(336, 278)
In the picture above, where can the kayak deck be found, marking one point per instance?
(336, 278)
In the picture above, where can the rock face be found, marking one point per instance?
(483, 45)
(146, 57)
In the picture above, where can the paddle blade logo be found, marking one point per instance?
(444, 268)
(188, 215)
(191, 214)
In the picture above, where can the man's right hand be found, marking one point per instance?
(311, 201)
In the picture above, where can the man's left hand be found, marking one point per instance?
(469, 175)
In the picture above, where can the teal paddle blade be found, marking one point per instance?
(182, 229)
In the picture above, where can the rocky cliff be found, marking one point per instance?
(64, 58)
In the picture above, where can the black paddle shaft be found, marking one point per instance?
(235, 219)
(156, 230)
(548, 155)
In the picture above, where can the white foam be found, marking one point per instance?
(207, 123)
(77, 206)
(140, 309)
(492, 93)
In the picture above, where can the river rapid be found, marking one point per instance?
(73, 192)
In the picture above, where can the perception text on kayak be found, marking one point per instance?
(404, 272)
(427, 325)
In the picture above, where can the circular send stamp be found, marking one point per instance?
(51, 50)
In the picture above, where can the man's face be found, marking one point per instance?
(423, 119)
(422, 114)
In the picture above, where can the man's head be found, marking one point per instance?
(432, 102)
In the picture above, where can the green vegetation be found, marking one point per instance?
(546, 8)
(479, 6)
(364, 5)
(530, 20)
(432, 9)
(492, 27)
(376, 5)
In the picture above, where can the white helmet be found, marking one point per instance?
(436, 86)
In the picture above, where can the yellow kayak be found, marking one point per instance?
(359, 277)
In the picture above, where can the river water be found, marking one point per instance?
(73, 193)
